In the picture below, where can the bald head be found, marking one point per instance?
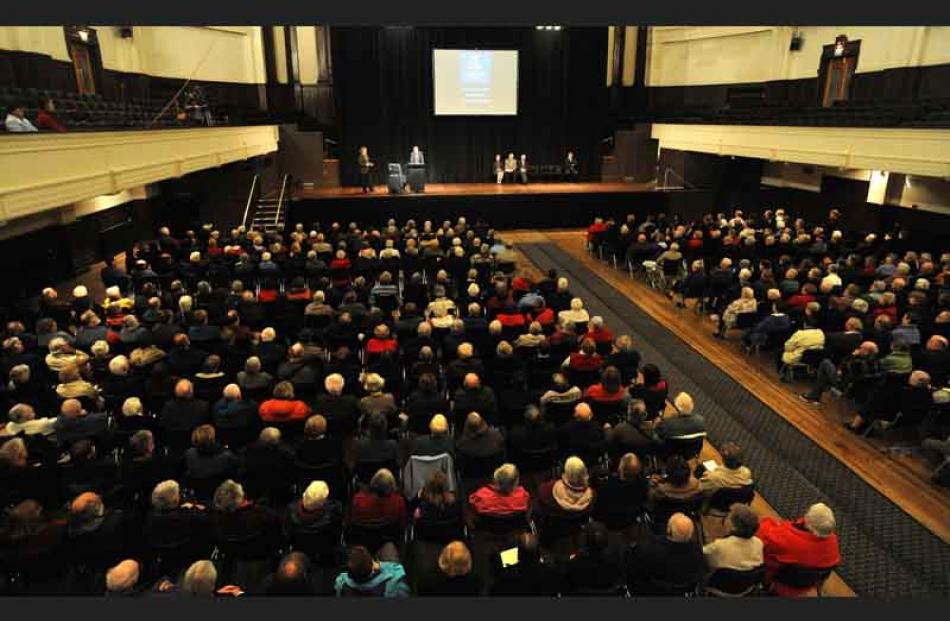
(232, 392)
(86, 507)
(679, 529)
(71, 408)
(123, 577)
(583, 412)
(472, 381)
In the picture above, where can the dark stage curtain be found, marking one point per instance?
(384, 97)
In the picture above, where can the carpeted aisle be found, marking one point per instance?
(885, 552)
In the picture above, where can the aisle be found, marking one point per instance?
(886, 552)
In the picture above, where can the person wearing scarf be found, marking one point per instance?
(570, 494)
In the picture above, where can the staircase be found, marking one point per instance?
(269, 211)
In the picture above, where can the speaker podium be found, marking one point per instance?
(416, 177)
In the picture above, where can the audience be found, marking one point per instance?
(214, 398)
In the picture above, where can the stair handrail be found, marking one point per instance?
(280, 201)
(250, 197)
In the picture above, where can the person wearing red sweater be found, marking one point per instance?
(809, 542)
(587, 359)
(46, 117)
(379, 504)
(503, 496)
(381, 342)
(283, 407)
(610, 389)
(511, 318)
(595, 229)
(598, 332)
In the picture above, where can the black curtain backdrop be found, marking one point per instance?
(384, 95)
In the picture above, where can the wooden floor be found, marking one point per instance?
(904, 479)
(480, 189)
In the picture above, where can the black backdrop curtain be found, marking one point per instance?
(383, 89)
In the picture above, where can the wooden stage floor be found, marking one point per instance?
(480, 189)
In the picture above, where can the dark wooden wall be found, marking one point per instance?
(40, 71)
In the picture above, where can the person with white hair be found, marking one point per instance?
(745, 303)
(21, 418)
(342, 411)
(314, 513)
(235, 416)
(809, 542)
(253, 380)
(685, 424)
(568, 495)
(576, 314)
(62, 355)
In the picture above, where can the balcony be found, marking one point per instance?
(49, 170)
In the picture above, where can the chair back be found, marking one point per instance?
(608, 411)
(479, 467)
(725, 497)
(734, 582)
(320, 545)
(554, 527)
(558, 413)
(373, 538)
(801, 577)
(666, 507)
(420, 468)
(507, 524)
(746, 321)
(687, 448)
(537, 460)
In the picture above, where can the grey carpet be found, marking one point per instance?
(885, 552)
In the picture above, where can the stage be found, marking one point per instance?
(507, 205)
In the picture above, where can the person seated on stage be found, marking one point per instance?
(570, 167)
(808, 542)
(511, 166)
(498, 169)
(523, 168)
(416, 157)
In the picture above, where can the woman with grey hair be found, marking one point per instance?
(741, 549)
(569, 495)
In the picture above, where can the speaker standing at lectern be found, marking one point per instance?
(365, 166)
(416, 175)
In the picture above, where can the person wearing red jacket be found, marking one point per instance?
(598, 332)
(510, 318)
(381, 342)
(587, 359)
(283, 408)
(46, 117)
(595, 229)
(809, 542)
(503, 496)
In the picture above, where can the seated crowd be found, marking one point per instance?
(377, 412)
(866, 316)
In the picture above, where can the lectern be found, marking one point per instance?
(416, 177)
